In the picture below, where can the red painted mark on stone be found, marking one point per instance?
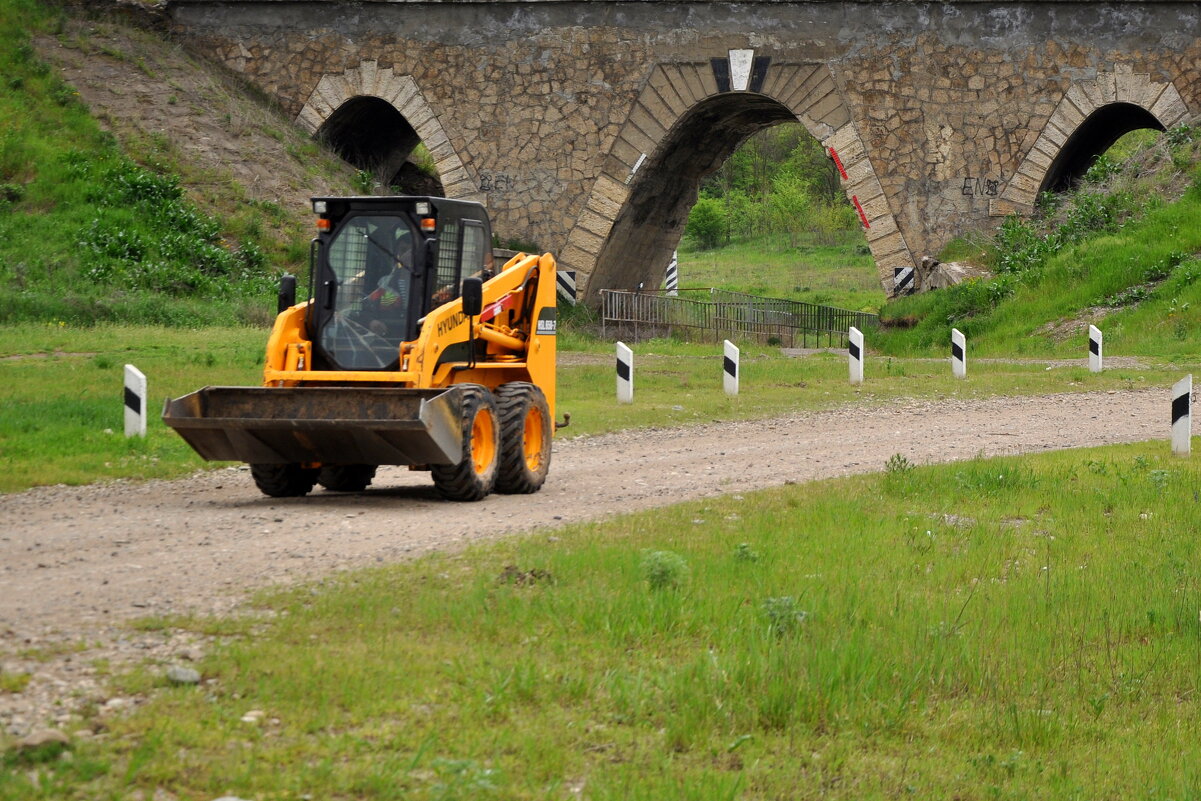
(859, 208)
(838, 163)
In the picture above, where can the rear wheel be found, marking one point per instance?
(474, 475)
(525, 430)
(284, 480)
(346, 477)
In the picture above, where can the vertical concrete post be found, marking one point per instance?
(958, 353)
(855, 355)
(135, 402)
(1094, 349)
(1182, 416)
(566, 285)
(730, 368)
(672, 282)
(625, 374)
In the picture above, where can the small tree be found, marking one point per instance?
(791, 207)
(707, 223)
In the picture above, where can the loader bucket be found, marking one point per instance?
(326, 425)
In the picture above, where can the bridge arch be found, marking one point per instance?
(370, 134)
(374, 118)
(1090, 117)
(1096, 134)
(686, 121)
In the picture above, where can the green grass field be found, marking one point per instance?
(1006, 628)
(842, 275)
(61, 390)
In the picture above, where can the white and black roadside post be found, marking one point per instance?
(672, 282)
(729, 363)
(565, 280)
(625, 374)
(1094, 349)
(135, 402)
(855, 355)
(1182, 416)
(958, 353)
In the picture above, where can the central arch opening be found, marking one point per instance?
(649, 227)
(1097, 134)
(372, 136)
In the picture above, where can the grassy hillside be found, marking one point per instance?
(97, 227)
(1120, 252)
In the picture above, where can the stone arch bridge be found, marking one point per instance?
(586, 126)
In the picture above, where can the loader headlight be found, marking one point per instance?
(422, 209)
(319, 207)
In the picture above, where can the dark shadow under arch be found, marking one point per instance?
(1093, 137)
(651, 222)
(371, 135)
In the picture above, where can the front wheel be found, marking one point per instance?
(346, 477)
(525, 430)
(284, 480)
(474, 475)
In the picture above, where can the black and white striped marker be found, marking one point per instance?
(902, 280)
(958, 353)
(1094, 349)
(729, 366)
(672, 282)
(1182, 416)
(625, 374)
(855, 355)
(135, 402)
(566, 284)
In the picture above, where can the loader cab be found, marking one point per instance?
(380, 264)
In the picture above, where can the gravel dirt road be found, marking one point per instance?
(77, 561)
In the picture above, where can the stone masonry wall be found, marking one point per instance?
(949, 101)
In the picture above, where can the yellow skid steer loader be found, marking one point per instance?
(411, 350)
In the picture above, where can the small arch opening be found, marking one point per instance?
(372, 136)
(1097, 134)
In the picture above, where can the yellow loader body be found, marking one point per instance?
(470, 396)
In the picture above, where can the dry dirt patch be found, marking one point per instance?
(158, 99)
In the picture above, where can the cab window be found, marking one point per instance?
(371, 258)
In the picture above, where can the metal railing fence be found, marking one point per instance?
(719, 314)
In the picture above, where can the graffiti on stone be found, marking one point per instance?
(981, 187)
(538, 183)
(499, 182)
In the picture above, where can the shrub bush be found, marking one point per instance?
(707, 223)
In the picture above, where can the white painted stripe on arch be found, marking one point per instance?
(637, 165)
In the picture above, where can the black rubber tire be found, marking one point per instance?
(284, 480)
(346, 477)
(463, 481)
(516, 402)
